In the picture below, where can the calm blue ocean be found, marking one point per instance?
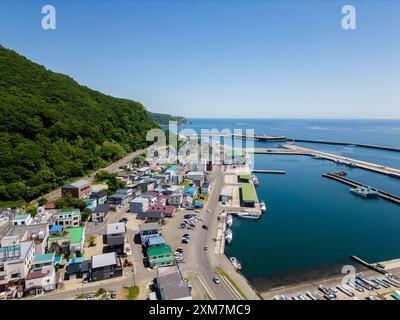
(313, 224)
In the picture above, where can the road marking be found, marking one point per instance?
(203, 284)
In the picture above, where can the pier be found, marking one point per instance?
(268, 171)
(382, 194)
(368, 265)
(350, 144)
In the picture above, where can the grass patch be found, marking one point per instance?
(80, 296)
(132, 292)
(222, 273)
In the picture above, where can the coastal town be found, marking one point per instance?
(159, 236)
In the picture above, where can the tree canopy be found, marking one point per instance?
(52, 129)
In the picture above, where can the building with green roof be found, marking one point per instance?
(244, 177)
(248, 195)
(22, 220)
(160, 256)
(70, 242)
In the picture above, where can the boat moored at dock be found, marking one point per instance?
(255, 180)
(236, 263)
(249, 215)
(263, 207)
(365, 192)
(228, 235)
(229, 220)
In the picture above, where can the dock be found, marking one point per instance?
(350, 144)
(291, 149)
(268, 171)
(368, 265)
(382, 194)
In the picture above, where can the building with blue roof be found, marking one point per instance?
(43, 260)
(155, 241)
(190, 191)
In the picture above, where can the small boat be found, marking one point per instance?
(365, 192)
(255, 180)
(228, 235)
(263, 207)
(229, 220)
(236, 263)
(315, 156)
(249, 215)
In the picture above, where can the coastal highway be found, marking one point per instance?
(202, 262)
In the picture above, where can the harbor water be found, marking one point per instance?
(314, 224)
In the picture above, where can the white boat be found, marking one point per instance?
(366, 192)
(249, 215)
(229, 220)
(228, 235)
(255, 180)
(236, 263)
(263, 207)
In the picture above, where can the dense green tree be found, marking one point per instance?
(52, 129)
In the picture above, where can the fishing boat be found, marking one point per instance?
(229, 220)
(236, 263)
(249, 215)
(255, 180)
(365, 192)
(263, 207)
(228, 235)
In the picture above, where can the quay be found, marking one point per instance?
(368, 265)
(384, 195)
(296, 150)
(268, 171)
(350, 144)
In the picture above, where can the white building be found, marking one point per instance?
(22, 220)
(175, 199)
(15, 262)
(139, 205)
(41, 280)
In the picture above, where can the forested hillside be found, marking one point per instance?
(53, 129)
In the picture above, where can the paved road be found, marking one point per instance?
(203, 262)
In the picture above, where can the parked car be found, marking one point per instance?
(216, 280)
(113, 294)
(205, 248)
(205, 227)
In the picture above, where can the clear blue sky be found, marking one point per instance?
(253, 59)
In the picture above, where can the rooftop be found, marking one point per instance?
(101, 208)
(78, 184)
(155, 241)
(102, 260)
(40, 258)
(158, 251)
(21, 216)
(248, 192)
(70, 211)
(113, 228)
(73, 234)
(149, 226)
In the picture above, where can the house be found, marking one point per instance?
(115, 238)
(69, 218)
(147, 230)
(105, 266)
(43, 280)
(22, 220)
(146, 186)
(170, 284)
(190, 191)
(78, 270)
(196, 176)
(38, 233)
(90, 203)
(100, 213)
(161, 200)
(44, 260)
(205, 188)
(151, 195)
(78, 189)
(177, 178)
(71, 241)
(100, 196)
(125, 191)
(119, 199)
(168, 211)
(139, 205)
(15, 262)
(175, 199)
(155, 241)
(160, 256)
(187, 202)
(143, 170)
